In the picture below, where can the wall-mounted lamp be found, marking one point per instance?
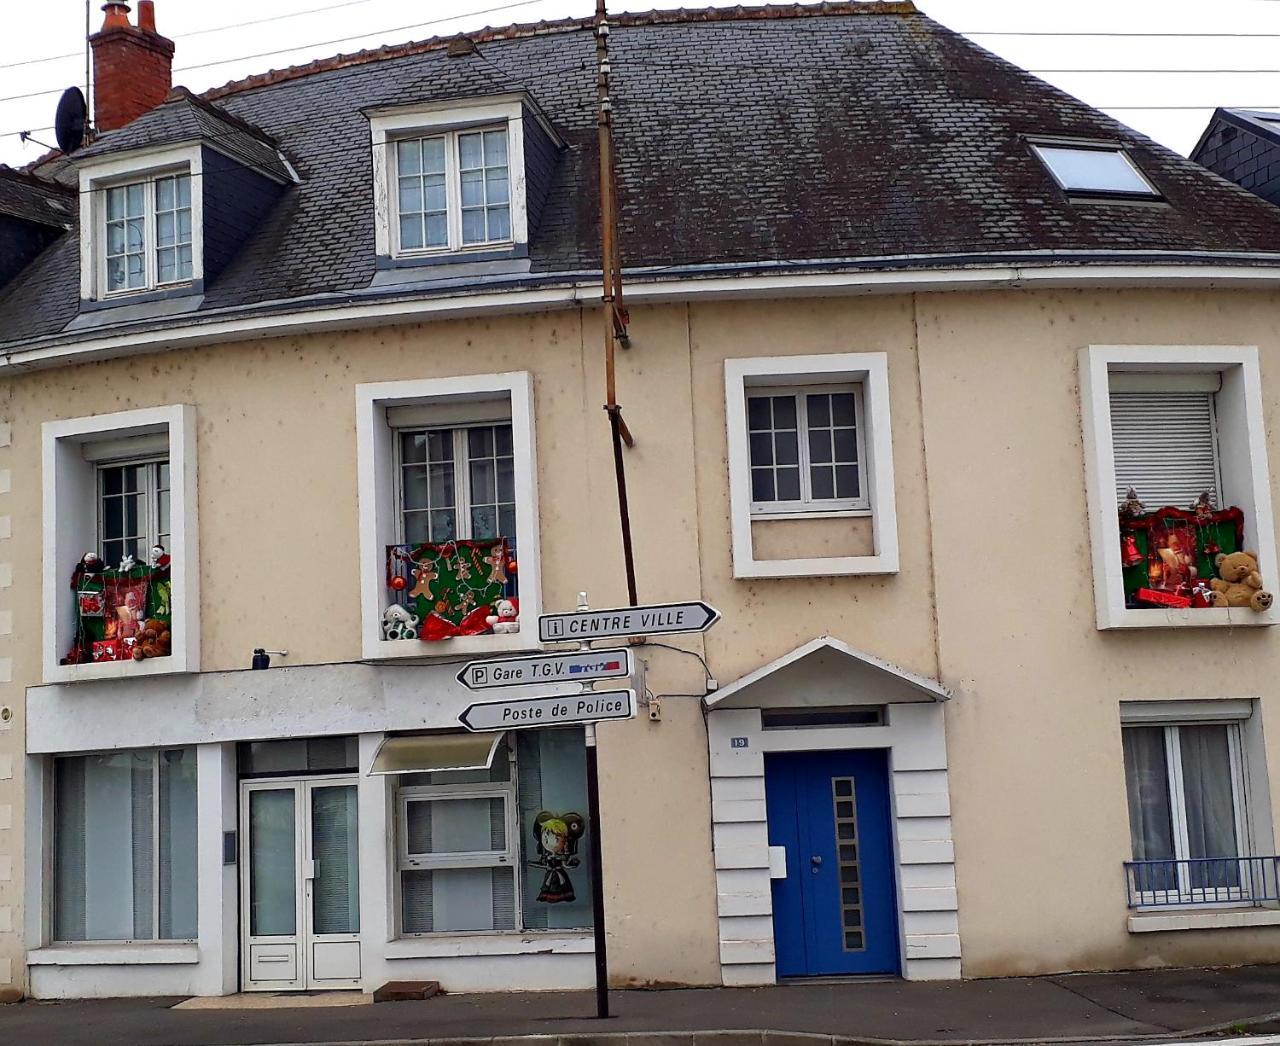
(261, 658)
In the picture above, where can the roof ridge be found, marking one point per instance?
(670, 16)
(181, 93)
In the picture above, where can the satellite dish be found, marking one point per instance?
(68, 124)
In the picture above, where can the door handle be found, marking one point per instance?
(815, 862)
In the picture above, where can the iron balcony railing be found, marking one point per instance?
(1202, 880)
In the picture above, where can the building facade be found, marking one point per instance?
(310, 365)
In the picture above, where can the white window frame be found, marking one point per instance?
(870, 372)
(146, 165)
(452, 190)
(70, 528)
(1114, 149)
(1185, 894)
(451, 400)
(507, 858)
(51, 830)
(1242, 462)
(151, 499)
(388, 126)
(461, 468)
(808, 505)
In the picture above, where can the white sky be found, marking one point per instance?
(1112, 72)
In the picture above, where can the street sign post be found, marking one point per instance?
(658, 619)
(527, 713)
(581, 666)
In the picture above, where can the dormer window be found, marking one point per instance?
(1094, 170)
(453, 190)
(146, 241)
(460, 181)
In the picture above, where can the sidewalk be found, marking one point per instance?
(1085, 1007)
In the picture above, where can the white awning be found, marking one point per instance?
(425, 753)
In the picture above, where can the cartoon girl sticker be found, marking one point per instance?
(557, 840)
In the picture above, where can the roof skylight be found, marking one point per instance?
(1094, 171)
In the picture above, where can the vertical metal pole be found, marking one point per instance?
(88, 74)
(597, 872)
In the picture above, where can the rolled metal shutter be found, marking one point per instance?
(1166, 447)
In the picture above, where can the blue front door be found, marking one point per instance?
(836, 910)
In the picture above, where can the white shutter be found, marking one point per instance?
(1166, 447)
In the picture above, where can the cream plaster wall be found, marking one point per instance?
(1033, 734)
(1038, 798)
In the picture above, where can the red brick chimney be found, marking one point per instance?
(132, 65)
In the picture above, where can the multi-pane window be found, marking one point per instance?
(124, 851)
(147, 239)
(494, 849)
(452, 190)
(457, 483)
(1186, 811)
(806, 449)
(133, 509)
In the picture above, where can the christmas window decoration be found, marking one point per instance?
(442, 590)
(122, 613)
(1187, 558)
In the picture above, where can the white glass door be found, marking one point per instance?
(300, 885)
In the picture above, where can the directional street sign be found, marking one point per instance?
(660, 619)
(581, 666)
(524, 713)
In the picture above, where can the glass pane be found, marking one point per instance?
(178, 844)
(184, 190)
(1097, 170)
(506, 480)
(112, 480)
(819, 410)
(495, 148)
(499, 223)
(115, 204)
(132, 514)
(820, 446)
(413, 447)
(823, 482)
(1146, 775)
(457, 899)
(786, 448)
(842, 408)
(442, 486)
(1208, 794)
(483, 482)
(437, 230)
(440, 445)
(473, 230)
(272, 863)
(495, 186)
(484, 523)
(784, 412)
(472, 184)
(166, 265)
(415, 487)
(411, 232)
(115, 238)
(164, 194)
(409, 156)
(759, 416)
(133, 199)
(444, 525)
(788, 481)
(134, 233)
(761, 448)
(164, 513)
(507, 523)
(104, 847)
(410, 195)
(162, 472)
(115, 274)
(184, 263)
(846, 445)
(417, 528)
(480, 442)
(433, 155)
(449, 826)
(184, 226)
(846, 481)
(134, 476)
(502, 439)
(435, 193)
(762, 488)
(470, 150)
(335, 904)
(552, 780)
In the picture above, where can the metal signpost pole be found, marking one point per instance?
(597, 872)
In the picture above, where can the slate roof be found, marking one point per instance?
(34, 200)
(820, 136)
(183, 118)
(1243, 145)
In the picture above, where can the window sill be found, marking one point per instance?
(1215, 919)
(113, 954)
(760, 516)
(536, 942)
(153, 666)
(506, 643)
(1190, 617)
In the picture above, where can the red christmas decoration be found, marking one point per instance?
(1129, 554)
(399, 583)
(513, 567)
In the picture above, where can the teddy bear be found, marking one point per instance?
(399, 623)
(154, 640)
(1239, 584)
(503, 618)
